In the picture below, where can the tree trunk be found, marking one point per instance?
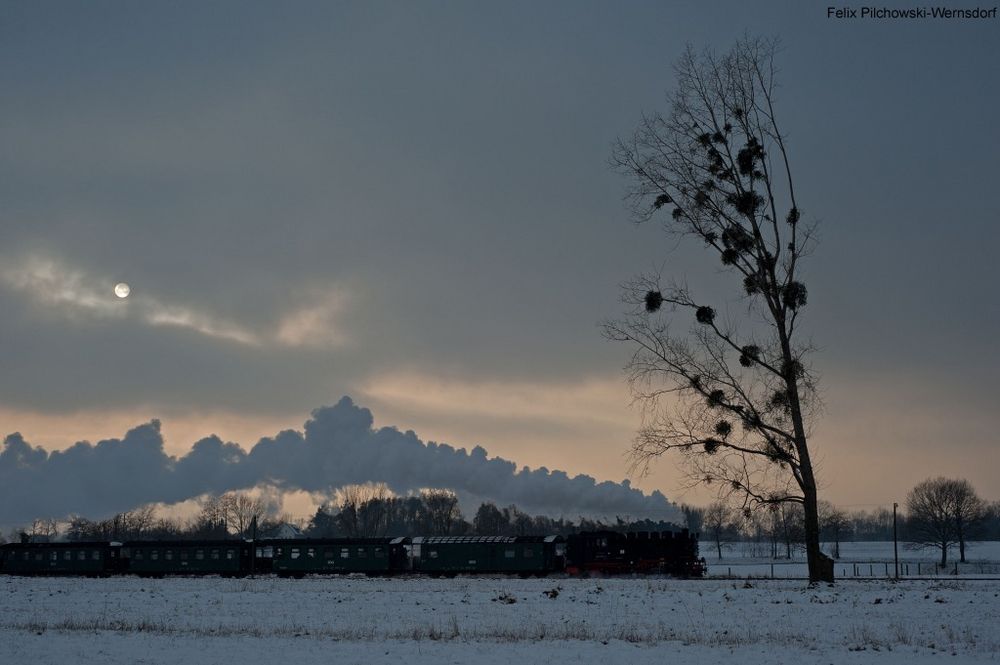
(718, 545)
(961, 542)
(807, 480)
(813, 553)
(944, 554)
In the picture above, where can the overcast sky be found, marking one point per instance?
(410, 204)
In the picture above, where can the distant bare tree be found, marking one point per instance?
(735, 400)
(210, 522)
(44, 529)
(969, 512)
(693, 517)
(136, 523)
(489, 520)
(834, 523)
(442, 510)
(363, 509)
(165, 529)
(784, 528)
(717, 518)
(931, 509)
(241, 510)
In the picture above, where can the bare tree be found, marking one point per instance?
(44, 529)
(734, 399)
(969, 513)
(931, 509)
(834, 523)
(210, 522)
(136, 523)
(489, 520)
(442, 510)
(788, 517)
(363, 509)
(241, 511)
(717, 518)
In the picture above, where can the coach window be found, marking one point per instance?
(379, 552)
(68, 555)
(311, 553)
(328, 553)
(345, 553)
(509, 553)
(96, 555)
(184, 554)
(362, 553)
(215, 554)
(199, 554)
(230, 554)
(26, 555)
(169, 555)
(528, 552)
(38, 556)
(138, 555)
(432, 553)
(295, 552)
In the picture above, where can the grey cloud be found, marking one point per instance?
(446, 163)
(337, 447)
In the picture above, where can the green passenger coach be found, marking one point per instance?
(371, 556)
(522, 555)
(96, 559)
(196, 557)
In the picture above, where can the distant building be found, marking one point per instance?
(282, 531)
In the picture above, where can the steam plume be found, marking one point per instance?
(337, 447)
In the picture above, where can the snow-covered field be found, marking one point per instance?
(857, 559)
(495, 620)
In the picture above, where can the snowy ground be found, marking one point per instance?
(857, 559)
(495, 620)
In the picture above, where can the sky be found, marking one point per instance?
(410, 204)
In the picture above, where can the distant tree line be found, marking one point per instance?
(372, 511)
(939, 513)
(356, 511)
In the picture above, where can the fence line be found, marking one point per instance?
(854, 569)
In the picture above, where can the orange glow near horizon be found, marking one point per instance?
(583, 427)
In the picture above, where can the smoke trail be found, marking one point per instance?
(337, 447)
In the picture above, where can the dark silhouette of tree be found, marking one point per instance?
(716, 520)
(323, 523)
(942, 512)
(489, 520)
(970, 513)
(734, 399)
(363, 511)
(930, 522)
(834, 525)
(241, 511)
(442, 511)
(693, 517)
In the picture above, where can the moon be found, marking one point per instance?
(122, 290)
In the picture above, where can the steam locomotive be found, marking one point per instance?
(587, 553)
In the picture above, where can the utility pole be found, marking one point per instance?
(895, 538)
(253, 547)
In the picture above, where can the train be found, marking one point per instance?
(581, 554)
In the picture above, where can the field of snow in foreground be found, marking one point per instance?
(495, 620)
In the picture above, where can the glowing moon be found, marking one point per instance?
(122, 290)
